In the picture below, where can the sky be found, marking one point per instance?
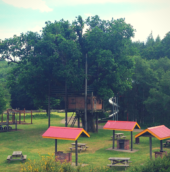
(146, 16)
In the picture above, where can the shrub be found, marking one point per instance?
(157, 165)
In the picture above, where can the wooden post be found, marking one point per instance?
(78, 117)
(161, 148)
(16, 124)
(55, 146)
(2, 118)
(48, 110)
(7, 124)
(131, 140)
(85, 98)
(150, 142)
(19, 117)
(66, 98)
(96, 122)
(7, 115)
(31, 116)
(24, 114)
(113, 139)
(76, 152)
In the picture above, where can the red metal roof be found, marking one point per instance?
(161, 132)
(121, 125)
(64, 133)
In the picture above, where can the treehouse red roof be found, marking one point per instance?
(121, 125)
(161, 132)
(64, 133)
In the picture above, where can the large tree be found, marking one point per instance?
(57, 57)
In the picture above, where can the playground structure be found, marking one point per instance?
(79, 103)
(12, 113)
(7, 126)
(114, 102)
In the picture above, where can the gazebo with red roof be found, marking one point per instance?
(121, 126)
(64, 133)
(161, 132)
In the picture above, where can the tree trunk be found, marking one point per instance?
(90, 122)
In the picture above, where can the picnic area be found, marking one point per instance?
(28, 139)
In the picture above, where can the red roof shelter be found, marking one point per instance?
(64, 133)
(160, 132)
(121, 126)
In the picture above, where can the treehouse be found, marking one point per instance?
(78, 103)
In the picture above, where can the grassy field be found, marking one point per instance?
(28, 139)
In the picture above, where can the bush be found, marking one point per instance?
(157, 165)
(48, 164)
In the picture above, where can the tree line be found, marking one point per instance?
(136, 72)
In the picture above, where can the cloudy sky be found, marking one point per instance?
(146, 16)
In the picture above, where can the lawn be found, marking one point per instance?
(28, 139)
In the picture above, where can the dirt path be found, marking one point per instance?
(99, 126)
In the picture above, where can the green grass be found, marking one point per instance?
(28, 139)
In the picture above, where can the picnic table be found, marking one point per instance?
(167, 143)
(80, 146)
(119, 161)
(16, 155)
(119, 135)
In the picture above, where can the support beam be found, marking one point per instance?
(161, 147)
(76, 152)
(66, 98)
(78, 120)
(31, 116)
(150, 142)
(113, 139)
(85, 100)
(96, 123)
(55, 146)
(131, 140)
(16, 124)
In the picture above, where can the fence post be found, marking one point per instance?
(7, 124)
(19, 117)
(2, 118)
(31, 116)
(16, 125)
(24, 114)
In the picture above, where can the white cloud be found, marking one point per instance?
(145, 22)
(33, 4)
(77, 2)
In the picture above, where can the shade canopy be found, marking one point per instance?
(121, 125)
(64, 133)
(161, 132)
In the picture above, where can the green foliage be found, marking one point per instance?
(157, 165)
(5, 96)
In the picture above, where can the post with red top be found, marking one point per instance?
(113, 139)
(76, 152)
(55, 146)
(131, 141)
(24, 114)
(150, 142)
(161, 148)
(31, 116)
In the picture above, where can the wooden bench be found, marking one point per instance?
(71, 148)
(123, 137)
(119, 162)
(24, 157)
(9, 157)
